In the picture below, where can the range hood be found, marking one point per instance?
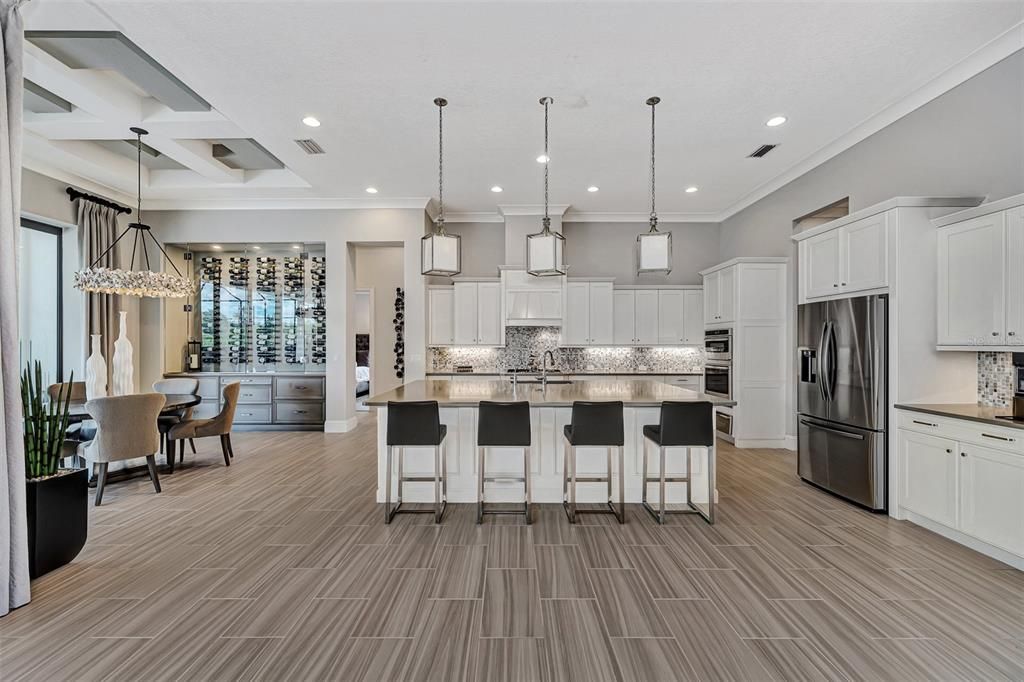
(531, 301)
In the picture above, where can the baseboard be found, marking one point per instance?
(966, 540)
(790, 443)
(340, 425)
(771, 443)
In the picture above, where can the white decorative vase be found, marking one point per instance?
(96, 371)
(122, 375)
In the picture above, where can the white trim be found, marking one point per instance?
(984, 209)
(532, 209)
(340, 425)
(964, 539)
(769, 444)
(639, 217)
(791, 443)
(744, 259)
(883, 206)
(993, 52)
(470, 217)
(47, 220)
(154, 204)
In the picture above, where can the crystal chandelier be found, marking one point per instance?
(440, 253)
(132, 282)
(545, 250)
(653, 248)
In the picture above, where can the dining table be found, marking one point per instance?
(77, 411)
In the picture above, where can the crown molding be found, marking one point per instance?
(639, 217)
(472, 217)
(993, 52)
(90, 186)
(284, 203)
(532, 209)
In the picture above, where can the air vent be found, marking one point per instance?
(761, 151)
(310, 146)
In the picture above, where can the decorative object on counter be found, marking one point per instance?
(122, 383)
(193, 354)
(653, 248)
(95, 371)
(523, 342)
(399, 322)
(440, 252)
(545, 250)
(56, 499)
(995, 379)
(132, 282)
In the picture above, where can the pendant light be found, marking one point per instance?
(132, 282)
(545, 250)
(653, 248)
(440, 253)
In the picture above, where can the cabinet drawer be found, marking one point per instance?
(964, 431)
(209, 387)
(298, 412)
(252, 414)
(208, 409)
(253, 394)
(690, 382)
(299, 387)
(246, 381)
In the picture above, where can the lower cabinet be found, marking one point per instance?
(265, 400)
(950, 479)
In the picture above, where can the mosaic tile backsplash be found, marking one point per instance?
(524, 343)
(995, 379)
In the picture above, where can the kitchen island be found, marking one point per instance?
(550, 411)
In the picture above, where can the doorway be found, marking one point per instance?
(364, 346)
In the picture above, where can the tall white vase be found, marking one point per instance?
(96, 371)
(122, 375)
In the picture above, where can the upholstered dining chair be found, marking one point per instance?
(126, 429)
(203, 428)
(175, 386)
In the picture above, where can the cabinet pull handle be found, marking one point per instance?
(949, 451)
(963, 454)
(843, 284)
(835, 286)
(995, 333)
(925, 423)
(1002, 438)
(300, 411)
(1011, 333)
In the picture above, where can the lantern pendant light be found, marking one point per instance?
(653, 248)
(440, 253)
(545, 250)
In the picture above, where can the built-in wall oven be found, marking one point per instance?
(718, 378)
(718, 345)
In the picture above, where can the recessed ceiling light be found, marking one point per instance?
(691, 189)
(296, 246)
(497, 189)
(312, 121)
(215, 247)
(543, 158)
(256, 247)
(371, 190)
(775, 121)
(593, 188)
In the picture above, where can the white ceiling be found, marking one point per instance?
(369, 72)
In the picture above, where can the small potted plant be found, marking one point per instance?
(56, 499)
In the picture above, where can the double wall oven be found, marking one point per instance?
(718, 373)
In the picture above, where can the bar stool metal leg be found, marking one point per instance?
(661, 485)
(622, 486)
(387, 488)
(527, 457)
(572, 484)
(481, 456)
(437, 484)
(643, 455)
(712, 474)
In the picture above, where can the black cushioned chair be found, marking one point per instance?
(503, 425)
(683, 425)
(416, 424)
(594, 424)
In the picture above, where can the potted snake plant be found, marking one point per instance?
(57, 498)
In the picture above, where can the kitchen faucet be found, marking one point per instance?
(544, 368)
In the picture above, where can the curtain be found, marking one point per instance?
(97, 230)
(14, 581)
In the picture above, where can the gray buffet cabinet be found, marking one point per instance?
(268, 401)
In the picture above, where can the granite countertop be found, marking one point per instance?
(977, 413)
(632, 392)
(285, 373)
(581, 374)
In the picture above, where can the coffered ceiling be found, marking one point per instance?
(205, 77)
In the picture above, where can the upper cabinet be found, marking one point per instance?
(849, 258)
(465, 314)
(441, 316)
(720, 296)
(980, 280)
(588, 313)
(680, 316)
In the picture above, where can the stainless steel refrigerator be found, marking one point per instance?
(842, 397)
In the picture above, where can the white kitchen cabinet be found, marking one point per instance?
(671, 311)
(488, 305)
(972, 282)
(588, 318)
(693, 317)
(623, 317)
(601, 315)
(476, 314)
(1015, 277)
(720, 296)
(845, 259)
(821, 264)
(646, 317)
(440, 304)
(928, 476)
(465, 313)
(992, 496)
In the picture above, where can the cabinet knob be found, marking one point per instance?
(963, 454)
(949, 451)
(1011, 333)
(835, 286)
(995, 333)
(843, 284)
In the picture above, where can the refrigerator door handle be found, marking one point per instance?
(845, 434)
(833, 365)
(821, 363)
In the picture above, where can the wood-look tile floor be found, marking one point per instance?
(281, 568)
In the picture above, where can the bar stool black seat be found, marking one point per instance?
(682, 425)
(503, 425)
(416, 424)
(594, 424)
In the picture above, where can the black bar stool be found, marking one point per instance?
(683, 425)
(416, 424)
(505, 425)
(594, 424)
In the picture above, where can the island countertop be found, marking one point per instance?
(455, 393)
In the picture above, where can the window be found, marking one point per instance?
(40, 300)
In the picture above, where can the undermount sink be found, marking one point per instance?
(540, 381)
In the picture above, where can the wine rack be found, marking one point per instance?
(209, 307)
(318, 310)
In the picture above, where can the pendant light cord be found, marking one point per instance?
(653, 101)
(547, 162)
(138, 175)
(439, 222)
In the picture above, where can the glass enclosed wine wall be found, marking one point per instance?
(261, 310)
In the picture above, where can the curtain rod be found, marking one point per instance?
(77, 194)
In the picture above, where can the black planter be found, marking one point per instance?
(58, 520)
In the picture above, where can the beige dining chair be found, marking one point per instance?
(203, 428)
(175, 386)
(125, 429)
